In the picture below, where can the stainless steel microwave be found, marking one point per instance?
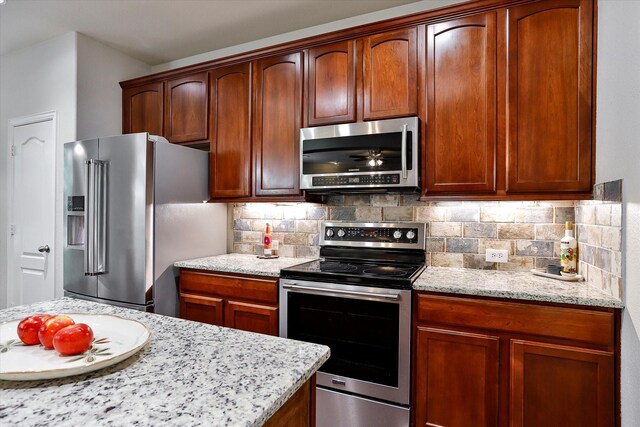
(374, 156)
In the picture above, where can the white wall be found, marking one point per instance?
(77, 77)
(100, 68)
(618, 154)
(35, 80)
(419, 6)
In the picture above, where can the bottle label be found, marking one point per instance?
(569, 258)
(267, 242)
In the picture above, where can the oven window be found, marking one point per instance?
(360, 153)
(362, 335)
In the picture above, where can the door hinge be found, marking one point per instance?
(12, 229)
(13, 150)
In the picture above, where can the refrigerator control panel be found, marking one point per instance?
(75, 203)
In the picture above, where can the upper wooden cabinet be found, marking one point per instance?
(186, 114)
(503, 91)
(390, 74)
(230, 106)
(461, 139)
(331, 84)
(550, 77)
(142, 108)
(277, 118)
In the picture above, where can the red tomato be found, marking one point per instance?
(29, 326)
(50, 327)
(74, 339)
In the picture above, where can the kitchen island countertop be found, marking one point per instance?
(241, 263)
(512, 285)
(190, 373)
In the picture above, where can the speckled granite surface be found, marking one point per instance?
(189, 374)
(515, 285)
(241, 263)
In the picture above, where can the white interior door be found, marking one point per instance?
(32, 213)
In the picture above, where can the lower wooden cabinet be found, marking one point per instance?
(456, 377)
(561, 385)
(489, 362)
(242, 302)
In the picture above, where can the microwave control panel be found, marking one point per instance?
(378, 179)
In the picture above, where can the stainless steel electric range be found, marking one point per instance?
(357, 300)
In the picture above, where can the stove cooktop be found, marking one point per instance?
(388, 275)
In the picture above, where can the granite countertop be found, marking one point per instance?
(241, 263)
(513, 285)
(190, 373)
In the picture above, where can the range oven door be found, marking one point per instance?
(368, 330)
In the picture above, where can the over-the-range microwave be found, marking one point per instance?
(373, 156)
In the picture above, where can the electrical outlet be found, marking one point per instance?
(497, 255)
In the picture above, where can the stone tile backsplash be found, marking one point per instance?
(458, 233)
(599, 235)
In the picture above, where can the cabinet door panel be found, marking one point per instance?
(142, 108)
(202, 309)
(560, 385)
(331, 84)
(277, 86)
(456, 378)
(252, 317)
(549, 74)
(230, 131)
(186, 109)
(461, 99)
(390, 74)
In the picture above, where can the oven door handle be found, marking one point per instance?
(393, 297)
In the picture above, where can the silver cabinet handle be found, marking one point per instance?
(44, 248)
(95, 211)
(403, 153)
(317, 290)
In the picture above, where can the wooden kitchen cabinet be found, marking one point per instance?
(142, 108)
(331, 84)
(277, 118)
(230, 106)
(461, 135)
(456, 376)
(561, 385)
(481, 361)
(186, 109)
(236, 301)
(390, 74)
(550, 95)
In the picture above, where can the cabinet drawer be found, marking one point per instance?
(575, 324)
(224, 285)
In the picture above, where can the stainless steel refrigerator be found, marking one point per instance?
(133, 206)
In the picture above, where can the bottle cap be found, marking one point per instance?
(568, 225)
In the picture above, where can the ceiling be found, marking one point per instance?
(159, 31)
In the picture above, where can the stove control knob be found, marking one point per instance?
(329, 232)
(410, 234)
(341, 233)
(397, 234)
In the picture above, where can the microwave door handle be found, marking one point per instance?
(321, 291)
(403, 153)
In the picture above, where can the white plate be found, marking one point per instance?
(115, 339)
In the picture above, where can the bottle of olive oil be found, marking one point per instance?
(568, 250)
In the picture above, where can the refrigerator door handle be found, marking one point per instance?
(95, 254)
